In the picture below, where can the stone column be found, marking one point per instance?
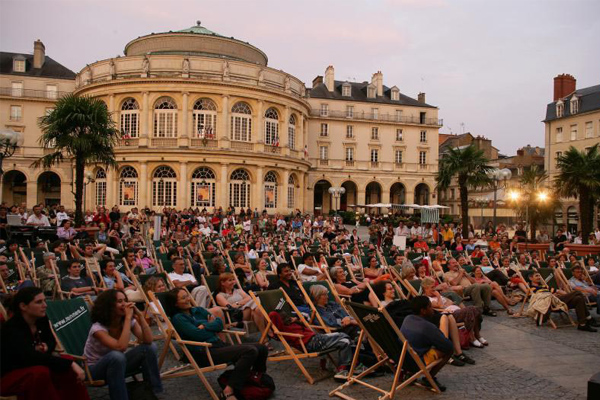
(111, 108)
(224, 125)
(284, 196)
(111, 194)
(145, 120)
(184, 136)
(259, 135)
(385, 198)
(223, 188)
(361, 196)
(143, 185)
(32, 193)
(284, 139)
(257, 198)
(182, 200)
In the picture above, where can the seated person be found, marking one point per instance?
(426, 339)
(91, 254)
(308, 271)
(420, 245)
(37, 218)
(28, 368)
(75, 284)
(578, 283)
(260, 275)
(144, 263)
(198, 324)
(332, 313)
(114, 279)
(357, 290)
(229, 296)
(288, 284)
(11, 280)
(497, 292)
(66, 231)
(180, 278)
(461, 282)
(45, 273)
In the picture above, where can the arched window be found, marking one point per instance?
(241, 122)
(128, 186)
(203, 187)
(164, 187)
(100, 187)
(422, 194)
(130, 118)
(292, 132)
(165, 118)
(291, 192)
(239, 188)
(272, 127)
(270, 190)
(205, 119)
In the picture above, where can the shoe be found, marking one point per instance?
(487, 311)
(466, 359)
(594, 323)
(341, 375)
(359, 369)
(456, 361)
(477, 343)
(483, 341)
(424, 382)
(586, 328)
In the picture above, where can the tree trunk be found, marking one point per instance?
(586, 208)
(533, 227)
(79, 187)
(464, 209)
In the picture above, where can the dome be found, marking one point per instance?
(196, 40)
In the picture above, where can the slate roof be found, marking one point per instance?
(589, 100)
(358, 93)
(50, 69)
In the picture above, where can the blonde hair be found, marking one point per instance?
(427, 282)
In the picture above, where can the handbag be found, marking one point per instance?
(464, 337)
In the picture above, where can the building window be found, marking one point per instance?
(398, 115)
(18, 65)
(346, 90)
(16, 113)
(574, 105)
(292, 132)
(324, 130)
(559, 134)
(52, 91)
(395, 95)
(205, 119)
(422, 117)
(130, 118)
(349, 131)
(452, 194)
(349, 153)
(399, 135)
(291, 192)
(165, 118)
(272, 127)
(100, 187)
(324, 110)
(371, 92)
(17, 89)
(375, 113)
(374, 155)
(203, 187)
(349, 111)
(128, 187)
(241, 122)
(374, 133)
(423, 136)
(398, 157)
(164, 187)
(239, 188)
(323, 152)
(270, 190)
(423, 157)
(573, 132)
(589, 129)
(558, 155)
(560, 109)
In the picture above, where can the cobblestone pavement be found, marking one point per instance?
(522, 362)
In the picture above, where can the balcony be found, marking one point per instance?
(272, 149)
(367, 165)
(349, 163)
(323, 162)
(30, 93)
(360, 115)
(206, 143)
(128, 142)
(163, 142)
(374, 164)
(243, 146)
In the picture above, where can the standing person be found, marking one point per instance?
(27, 366)
(114, 320)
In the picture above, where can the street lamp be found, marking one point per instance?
(89, 178)
(498, 175)
(336, 192)
(9, 141)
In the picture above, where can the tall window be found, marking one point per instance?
(241, 122)
(398, 157)
(205, 119)
(203, 187)
(399, 135)
(324, 110)
(374, 155)
(130, 118)
(559, 134)
(324, 130)
(589, 129)
(17, 89)
(423, 136)
(349, 111)
(346, 90)
(100, 187)
(16, 113)
(291, 192)
(374, 133)
(574, 105)
(52, 91)
(558, 155)
(560, 109)
(272, 127)
(128, 187)
(239, 189)
(270, 190)
(422, 157)
(573, 132)
(18, 65)
(349, 153)
(164, 187)
(165, 118)
(349, 131)
(375, 112)
(292, 132)
(323, 152)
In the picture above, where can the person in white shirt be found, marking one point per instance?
(247, 225)
(180, 278)
(205, 230)
(61, 215)
(402, 230)
(308, 271)
(37, 218)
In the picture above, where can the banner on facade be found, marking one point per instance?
(270, 196)
(203, 193)
(128, 192)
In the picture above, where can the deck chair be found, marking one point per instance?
(188, 369)
(278, 300)
(316, 321)
(391, 348)
(550, 280)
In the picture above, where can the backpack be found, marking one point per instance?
(259, 386)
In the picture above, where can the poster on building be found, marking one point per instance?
(128, 191)
(203, 193)
(270, 196)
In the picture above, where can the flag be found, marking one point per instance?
(209, 132)
(305, 151)
(276, 141)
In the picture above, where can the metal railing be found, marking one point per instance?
(404, 119)
(38, 94)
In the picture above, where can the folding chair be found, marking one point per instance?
(391, 347)
(314, 314)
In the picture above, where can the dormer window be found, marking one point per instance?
(395, 94)
(560, 109)
(574, 105)
(371, 90)
(346, 90)
(19, 65)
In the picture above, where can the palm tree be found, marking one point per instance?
(579, 177)
(79, 128)
(469, 166)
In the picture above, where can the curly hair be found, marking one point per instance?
(104, 306)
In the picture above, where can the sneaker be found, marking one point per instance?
(466, 359)
(341, 375)
(359, 369)
(586, 328)
(477, 343)
(456, 361)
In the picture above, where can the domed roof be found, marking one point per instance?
(196, 40)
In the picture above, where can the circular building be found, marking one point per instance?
(204, 122)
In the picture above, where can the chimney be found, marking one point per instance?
(317, 81)
(564, 85)
(329, 78)
(520, 152)
(421, 98)
(377, 81)
(39, 54)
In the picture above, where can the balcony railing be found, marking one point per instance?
(374, 164)
(128, 142)
(38, 94)
(403, 119)
(323, 162)
(244, 146)
(349, 163)
(272, 149)
(362, 165)
(164, 142)
(207, 143)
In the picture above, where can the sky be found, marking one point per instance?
(488, 65)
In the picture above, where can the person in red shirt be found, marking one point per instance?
(421, 244)
(101, 217)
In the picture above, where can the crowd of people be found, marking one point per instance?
(438, 289)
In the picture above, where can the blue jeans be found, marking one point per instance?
(336, 340)
(116, 365)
